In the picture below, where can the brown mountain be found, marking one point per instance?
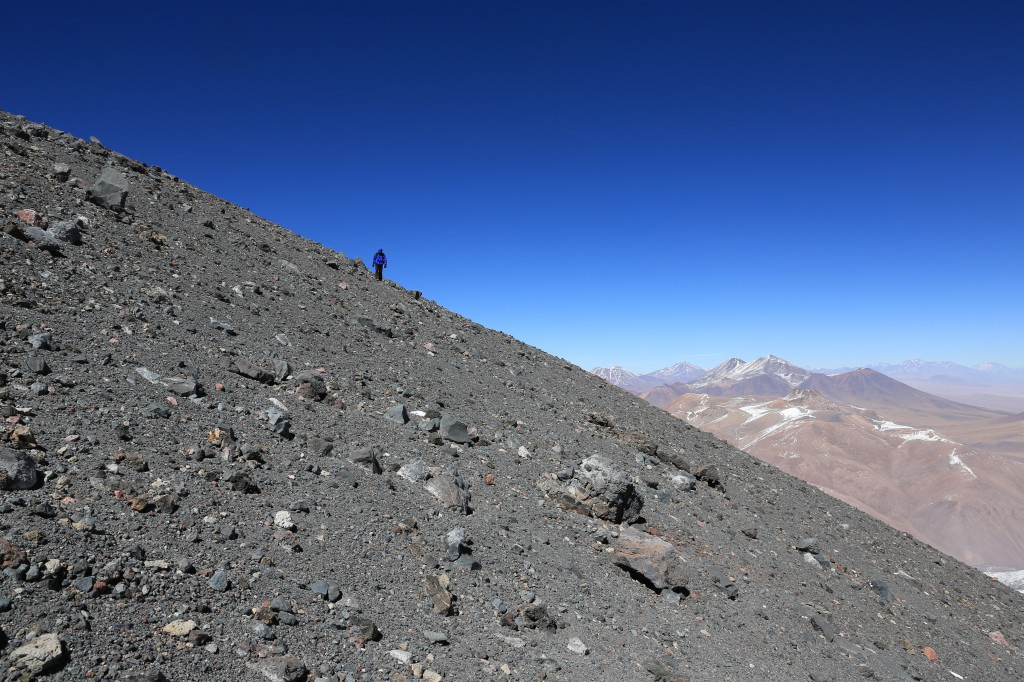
(965, 500)
(874, 390)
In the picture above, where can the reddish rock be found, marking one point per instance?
(999, 639)
(649, 559)
(11, 556)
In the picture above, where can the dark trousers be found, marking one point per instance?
(379, 269)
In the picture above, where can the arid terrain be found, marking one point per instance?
(949, 473)
(228, 453)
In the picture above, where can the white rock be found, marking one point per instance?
(577, 646)
(283, 519)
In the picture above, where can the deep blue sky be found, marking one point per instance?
(634, 183)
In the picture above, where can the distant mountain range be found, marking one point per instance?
(989, 372)
(989, 385)
(948, 472)
(638, 383)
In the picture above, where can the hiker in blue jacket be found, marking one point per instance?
(380, 261)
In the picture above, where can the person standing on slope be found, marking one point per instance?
(380, 261)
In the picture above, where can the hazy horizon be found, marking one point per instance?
(787, 359)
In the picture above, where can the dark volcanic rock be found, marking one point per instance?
(17, 470)
(110, 189)
(165, 447)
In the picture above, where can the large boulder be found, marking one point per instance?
(110, 190)
(650, 560)
(41, 655)
(596, 488)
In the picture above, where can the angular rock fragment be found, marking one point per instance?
(684, 481)
(17, 470)
(281, 369)
(184, 386)
(822, 625)
(43, 341)
(649, 560)
(279, 424)
(712, 476)
(11, 556)
(576, 645)
(43, 239)
(458, 542)
(364, 629)
(454, 430)
(438, 589)
(598, 489)
(415, 471)
(283, 519)
(397, 414)
(242, 482)
(41, 655)
(310, 386)
(224, 327)
(37, 364)
(280, 668)
(328, 590)
(66, 231)
(180, 627)
(110, 190)
(249, 370)
(366, 456)
(663, 670)
(451, 490)
(156, 411)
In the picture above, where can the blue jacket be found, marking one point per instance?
(380, 259)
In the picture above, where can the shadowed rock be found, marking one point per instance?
(650, 560)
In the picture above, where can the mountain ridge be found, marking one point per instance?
(230, 453)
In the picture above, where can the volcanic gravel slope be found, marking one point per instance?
(226, 487)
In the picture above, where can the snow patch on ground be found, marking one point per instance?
(925, 434)
(955, 461)
(913, 433)
(789, 415)
(755, 411)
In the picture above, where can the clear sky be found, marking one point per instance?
(632, 183)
